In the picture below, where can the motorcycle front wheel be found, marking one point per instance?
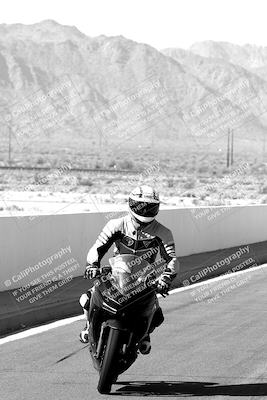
(108, 373)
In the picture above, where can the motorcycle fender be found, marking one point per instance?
(115, 324)
(111, 324)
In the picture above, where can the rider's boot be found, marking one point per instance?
(145, 345)
(84, 334)
(85, 303)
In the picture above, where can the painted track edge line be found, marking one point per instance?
(66, 321)
(218, 278)
(39, 329)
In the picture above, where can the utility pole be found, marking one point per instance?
(232, 147)
(9, 145)
(228, 149)
(264, 144)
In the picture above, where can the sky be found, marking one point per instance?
(160, 23)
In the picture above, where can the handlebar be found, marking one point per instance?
(149, 281)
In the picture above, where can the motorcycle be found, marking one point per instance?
(123, 304)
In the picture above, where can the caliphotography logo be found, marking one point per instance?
(134, 111)
(37, 281)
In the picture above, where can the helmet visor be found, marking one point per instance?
(143, 208)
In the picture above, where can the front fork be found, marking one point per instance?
(101, 341)
(127, 345)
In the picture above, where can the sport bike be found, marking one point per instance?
(122, 306)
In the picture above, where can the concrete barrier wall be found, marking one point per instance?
(28, 242)
(42, 259)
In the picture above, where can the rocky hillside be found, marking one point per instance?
(251, 57)
(58, 84)
(248, 56)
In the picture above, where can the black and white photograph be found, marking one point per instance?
(133, 199)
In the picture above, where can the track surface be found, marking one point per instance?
(203, 350)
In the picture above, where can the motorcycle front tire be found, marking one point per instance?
(108, 373)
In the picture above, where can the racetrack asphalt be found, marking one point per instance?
(211, 345)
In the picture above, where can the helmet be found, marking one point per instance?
(144, 203)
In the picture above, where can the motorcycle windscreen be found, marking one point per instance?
(129, 273)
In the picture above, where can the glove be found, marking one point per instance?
(91, 272)
(150, 278)
(164, 283)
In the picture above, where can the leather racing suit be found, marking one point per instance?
(152, 241)
(129, 237)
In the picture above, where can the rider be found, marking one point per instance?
(135, 233)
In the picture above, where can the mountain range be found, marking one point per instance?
(126, 91)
